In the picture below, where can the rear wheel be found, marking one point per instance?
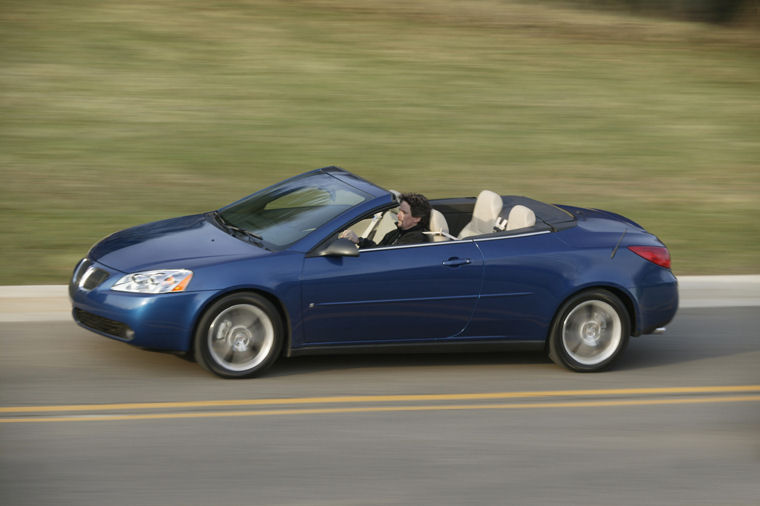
(589, 331)
(239, 336)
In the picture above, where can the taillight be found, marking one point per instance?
(656, 254)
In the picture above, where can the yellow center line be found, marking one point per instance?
(385, 409)
(383, 398)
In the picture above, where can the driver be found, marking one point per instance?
(413, 222)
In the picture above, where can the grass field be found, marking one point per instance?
(115, 113)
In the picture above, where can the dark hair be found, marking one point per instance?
(419, 206)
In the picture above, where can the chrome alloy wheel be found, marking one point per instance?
(241, 337)
(591, 332)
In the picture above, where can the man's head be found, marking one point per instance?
(414, 209)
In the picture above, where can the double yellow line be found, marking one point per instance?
(373, 404)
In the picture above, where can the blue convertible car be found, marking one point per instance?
(270, 275)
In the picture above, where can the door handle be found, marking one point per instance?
(456, 262)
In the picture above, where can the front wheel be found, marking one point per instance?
(589, 332)
(238, 336)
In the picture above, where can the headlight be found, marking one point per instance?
(163, 281)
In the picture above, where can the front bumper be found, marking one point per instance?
(156, 321)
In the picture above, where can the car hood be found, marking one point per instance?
(185, 242)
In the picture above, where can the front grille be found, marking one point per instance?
(87, 276)
(93, 277)
(104, 325)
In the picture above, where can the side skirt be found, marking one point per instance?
(477, 347)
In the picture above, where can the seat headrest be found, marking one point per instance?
(487, 206)
(520, 217)
(438, 224)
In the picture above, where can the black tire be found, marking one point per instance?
(589, 332)
(238, 336)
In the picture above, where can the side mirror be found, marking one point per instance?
(339, 248)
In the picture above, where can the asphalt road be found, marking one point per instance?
(88, 421)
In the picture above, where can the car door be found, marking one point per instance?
(395, 294)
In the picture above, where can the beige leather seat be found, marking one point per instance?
(520, 217)
(387, 223)
(439, 228)
(484, 215)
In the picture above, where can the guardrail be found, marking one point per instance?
(51, 302)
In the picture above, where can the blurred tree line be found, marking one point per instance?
(709, 11)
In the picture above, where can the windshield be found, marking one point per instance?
(283, 214)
